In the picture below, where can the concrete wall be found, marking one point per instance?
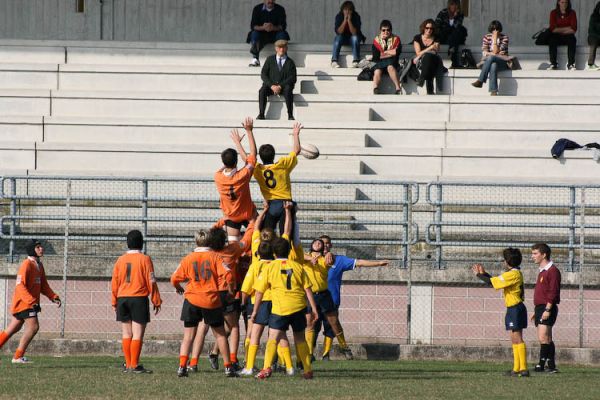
(370, 313)
(227, 21)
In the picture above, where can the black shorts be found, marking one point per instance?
(235, 225)
(192, 315)
(136, 309)
(29, 313)
(263, 314)
(516, 317)
(297, 321)
(229, 303)
(324, 302)
(539, 310)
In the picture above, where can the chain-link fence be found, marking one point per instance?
(431, 233)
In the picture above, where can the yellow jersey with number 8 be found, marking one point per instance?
(274, 179)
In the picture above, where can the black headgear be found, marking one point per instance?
(30, 247)
(135, 240)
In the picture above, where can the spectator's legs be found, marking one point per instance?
(288, 95)
(337, 46)
(485, 69)
(455, 39)
(255, 45)
(429, 66)
(592, 51)
(571, 42)
(355, 42)
(263, 93)
(496, 66)
(394, 76)
(553, 41)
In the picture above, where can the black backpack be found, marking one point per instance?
(467, 60)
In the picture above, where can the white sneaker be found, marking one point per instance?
(334, 64)
(254, 63)
(290, 371)
(22, 360)
(593, 67)
(354, 64)
(571, 67)
(248, 372)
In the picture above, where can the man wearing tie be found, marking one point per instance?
(279, 77)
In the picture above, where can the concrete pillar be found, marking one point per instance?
(421, 326)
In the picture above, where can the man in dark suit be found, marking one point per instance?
(267, 26)
(279, 77)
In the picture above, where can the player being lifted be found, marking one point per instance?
(233, 185)
(274, 179)
(201, 270)
(31, 282)
(340, 265)
(264, 256)
(290, 288)
(132, 282)
(511, 281)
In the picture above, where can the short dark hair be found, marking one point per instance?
(542, 248)
(265, 251)
(495, 25)
(216, 239)
(386, 23)
(513, 257)
(229, 158)
(455, 2)
(347, 4)
(325, 237)
(281, 247)
(267, 153)
(424, 24)
(322, 246)
(135, 240)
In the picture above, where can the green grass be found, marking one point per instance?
(99, 377)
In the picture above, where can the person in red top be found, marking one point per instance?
(132, 282)
(563, 25)
(31, 282)
(233, 185)
(202, 269)
(546, 297)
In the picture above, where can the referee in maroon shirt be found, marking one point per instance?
(546, 297)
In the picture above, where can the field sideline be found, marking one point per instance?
(100, 377)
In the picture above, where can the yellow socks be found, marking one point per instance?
(246, 345)
(309, 334)
(286, 356)
(327, 345)
(270, 353)
(516, 360)
(251, 356)
(522, 349)
(302, 352)
(341, 340)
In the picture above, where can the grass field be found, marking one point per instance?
(99, 377)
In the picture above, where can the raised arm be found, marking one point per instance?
(261, 217)
(237, 139)
(296, 134)
(248, 125)
(372, 263)
(287, 227)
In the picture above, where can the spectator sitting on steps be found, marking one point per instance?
(279, 77)
(386, 52)
(268, 25)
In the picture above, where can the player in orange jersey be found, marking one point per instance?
(201, 270)
(31, 282)
(132, 282)
(233, 185)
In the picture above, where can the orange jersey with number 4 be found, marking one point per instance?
(234, 192)
(274, 179)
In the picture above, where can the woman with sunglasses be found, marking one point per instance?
(426, 57)
(386, 52)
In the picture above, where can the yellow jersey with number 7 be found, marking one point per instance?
(274, 179)
(287, 281)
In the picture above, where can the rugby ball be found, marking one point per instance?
(309, 151)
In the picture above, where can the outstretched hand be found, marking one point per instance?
(236, 137)
(248, 124)
(296, 129)
(57, 301)
(478, 269)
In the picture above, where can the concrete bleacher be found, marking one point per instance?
(158, 108)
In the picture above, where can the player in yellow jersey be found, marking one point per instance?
(274, 179)
(317, 268)
(511, 281)
(290, 288)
